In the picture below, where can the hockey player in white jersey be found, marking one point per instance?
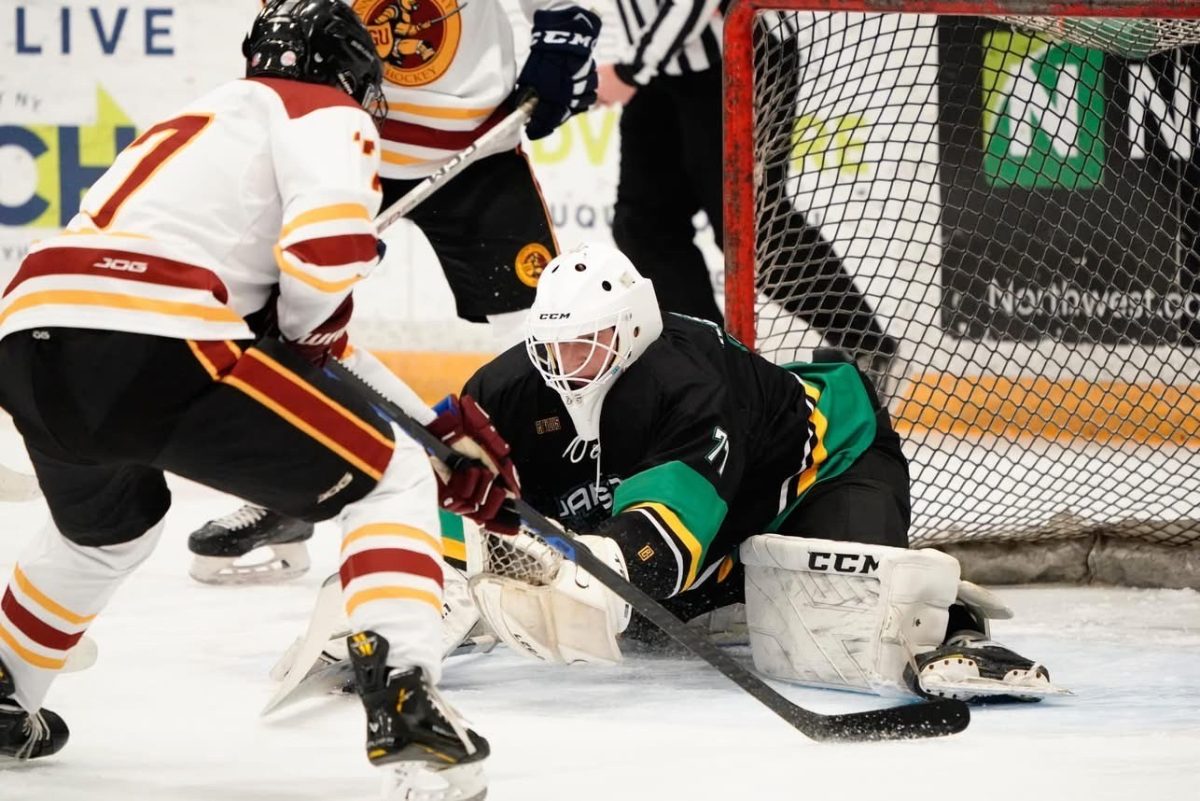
(450, 74)
(179, 324)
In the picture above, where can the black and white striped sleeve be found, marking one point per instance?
(673, 24)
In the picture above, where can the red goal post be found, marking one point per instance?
(1046, 317)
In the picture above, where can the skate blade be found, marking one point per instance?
(422, 781)
(278, 563)
(967, 689)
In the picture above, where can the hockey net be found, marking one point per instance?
(1016, 197)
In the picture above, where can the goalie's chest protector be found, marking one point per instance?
(760, 434)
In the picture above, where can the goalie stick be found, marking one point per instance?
(922, 719)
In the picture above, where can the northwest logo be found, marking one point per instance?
(1043, 107)
(415, 39)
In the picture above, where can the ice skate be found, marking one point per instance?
(220, 546)
(970, 667)
(24, 736)
(423, 745)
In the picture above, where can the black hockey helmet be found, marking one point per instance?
(317, 41)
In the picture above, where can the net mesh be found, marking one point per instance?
(998, 219)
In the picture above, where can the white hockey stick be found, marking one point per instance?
(16, 486)
(461, 160)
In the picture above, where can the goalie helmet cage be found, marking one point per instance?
(1016, 196)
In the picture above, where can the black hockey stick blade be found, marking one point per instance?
(923, 719)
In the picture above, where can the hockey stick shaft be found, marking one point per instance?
(454, 167)
(927, 719)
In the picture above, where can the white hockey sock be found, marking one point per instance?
(56, 590)
(391, 561)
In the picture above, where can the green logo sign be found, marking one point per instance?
(1043, 106)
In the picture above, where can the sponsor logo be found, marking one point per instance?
(415, 39)
(531, 260)
(554, 316)
(548, 425)
(645, 553)
(341, 484)
(66, 159)
(121, 265)
(1043, 107)
(833, 143)
(43, 29)
(822, 562)
(588, 502)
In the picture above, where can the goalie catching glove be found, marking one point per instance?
(571, 618)
(478, 488)
(560, 69)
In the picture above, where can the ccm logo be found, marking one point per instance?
(842, 562)
(554, 316)
(121, 265)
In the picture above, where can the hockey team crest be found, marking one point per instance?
(415, 39)
(531, 260)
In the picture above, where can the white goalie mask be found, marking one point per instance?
(594, 315)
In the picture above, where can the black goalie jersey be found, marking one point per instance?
(702, 444)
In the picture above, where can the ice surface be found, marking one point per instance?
(170, 712)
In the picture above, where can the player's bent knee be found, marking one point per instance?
(842, 614)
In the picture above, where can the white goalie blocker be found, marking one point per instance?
(842, 614)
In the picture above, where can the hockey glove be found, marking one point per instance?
(476, 490)
(329, 339)
(560, 68)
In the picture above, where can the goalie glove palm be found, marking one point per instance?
(560, 69)
(476, 490)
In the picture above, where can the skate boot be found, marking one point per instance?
(424, 746)
(970, 667)
(24, 736)
(220, 545)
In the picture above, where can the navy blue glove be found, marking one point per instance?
(560, 68)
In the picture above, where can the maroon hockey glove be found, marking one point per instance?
(329, 339)
(476, 490)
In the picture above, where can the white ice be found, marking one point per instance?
(170, 711)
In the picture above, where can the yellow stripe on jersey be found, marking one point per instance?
(312, 280)
(683, 534)
(454, 549)
(338, 211)
(392, 594)
(820, 424)
(439, 112)
(79, 297)
(46, 602)
(392, 530)
(400, 158)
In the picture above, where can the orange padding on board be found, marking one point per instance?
(1103, 412)
(1069, 411)
(433, 375)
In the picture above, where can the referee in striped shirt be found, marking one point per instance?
(671, 167)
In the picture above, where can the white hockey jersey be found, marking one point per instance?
(448, 65)
(261, 182)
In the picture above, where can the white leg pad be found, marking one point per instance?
(842, 614)
(573, 619)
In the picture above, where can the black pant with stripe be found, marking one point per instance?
(105, 413)
(490, 230)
